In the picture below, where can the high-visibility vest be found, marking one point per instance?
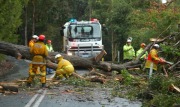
(152, 59)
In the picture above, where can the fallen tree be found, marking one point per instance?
(22, 52)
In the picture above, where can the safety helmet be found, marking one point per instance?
(156, 45)
(128, 40)
(58, 55)
(41, 37)
(35, 37)
(48, 41)
(143, 44)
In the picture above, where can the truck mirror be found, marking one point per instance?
(63, 27)
(61, 31)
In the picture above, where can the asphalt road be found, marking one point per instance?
(62, 96)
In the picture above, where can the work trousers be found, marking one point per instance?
(64, 72)
(37, 70)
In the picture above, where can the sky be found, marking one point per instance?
(164, 1)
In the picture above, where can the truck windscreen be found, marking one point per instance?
(85, 31)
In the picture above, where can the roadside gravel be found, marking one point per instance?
(13, 69)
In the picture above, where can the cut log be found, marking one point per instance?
(100, 56)
(12, 87)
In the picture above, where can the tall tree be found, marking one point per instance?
(11, 11)
(157, 20)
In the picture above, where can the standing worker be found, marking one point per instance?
(64, 69)
(49, 46)
(50, 49)
(153, 60)
(128, 51)
(33, 40)
(144, 56)
(39, 52)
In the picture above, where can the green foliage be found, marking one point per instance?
(165, 100)
(156, 20)
(78, 82)
(128, 79)
(11, 11)
(162, 97)
(159, 83)
(2, 57)
(169, 51)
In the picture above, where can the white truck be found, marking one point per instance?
(82, 38)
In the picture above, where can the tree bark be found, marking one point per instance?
(23, 52)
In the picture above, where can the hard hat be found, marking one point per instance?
(48, 41)
(128, 40)
(41, 37)
(35, 36)
(58, 55)
(156, 45)
(143, 44)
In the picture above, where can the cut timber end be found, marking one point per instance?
(155, 39)
(175, 88)
(100, 56)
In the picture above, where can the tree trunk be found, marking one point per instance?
(20, 51)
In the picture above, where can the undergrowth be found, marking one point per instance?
(156, 92)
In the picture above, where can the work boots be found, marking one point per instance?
(28, 84)
(43, 85)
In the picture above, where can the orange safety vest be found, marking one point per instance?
(152, 58)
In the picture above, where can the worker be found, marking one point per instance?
(33, 40)
(153, 60)
(50, 49)
(39, 53)
(64, 68)
(128, 51)
(49, 46)
(144, 56)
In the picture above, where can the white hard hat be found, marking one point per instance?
(128, 40)
(156, 45)
(58, 55)
(35, 36)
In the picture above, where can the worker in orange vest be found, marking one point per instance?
(33, 40)
(153, 60)
(39, 52)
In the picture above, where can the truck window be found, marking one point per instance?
(85, 31)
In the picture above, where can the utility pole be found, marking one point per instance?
(25, 33)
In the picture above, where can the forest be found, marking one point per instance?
(139, 19)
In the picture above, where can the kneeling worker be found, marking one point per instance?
(64, 69)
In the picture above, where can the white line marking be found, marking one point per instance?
(33, 99)
(38, 102)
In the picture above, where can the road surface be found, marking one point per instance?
(62, 96)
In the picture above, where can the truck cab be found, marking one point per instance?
(82, 38)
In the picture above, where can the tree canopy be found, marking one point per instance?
(139, 19)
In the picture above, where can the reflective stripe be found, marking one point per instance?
(68, 66)
(31, 62)
(151, 70)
